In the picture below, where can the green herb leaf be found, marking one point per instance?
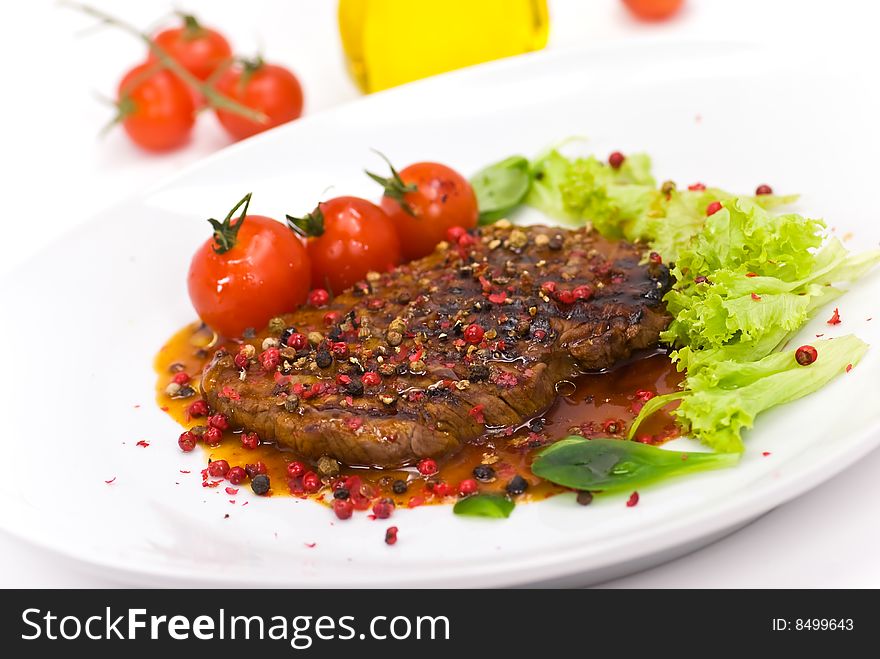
(501, 187)
(484, 505)
(612, 465)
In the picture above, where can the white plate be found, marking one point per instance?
(83, 321)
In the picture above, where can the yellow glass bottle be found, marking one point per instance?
(389, 42)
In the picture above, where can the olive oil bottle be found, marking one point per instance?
(389, 42)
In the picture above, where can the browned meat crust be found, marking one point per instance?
(433, 388)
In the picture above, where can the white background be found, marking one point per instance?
(56, 174)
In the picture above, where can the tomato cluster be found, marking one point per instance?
(190, 66)
(254, 268)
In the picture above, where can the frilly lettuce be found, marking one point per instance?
(746, 280)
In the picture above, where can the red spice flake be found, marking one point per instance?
(232, 491)
(655, 258)
(505, 379)
(696, 187)
(343, 379)
(440, 489)
(498, 298)
(540, 334)
(453, 234)
(751, 274)
(164, 408)
(583, 292)
(835, 318)
(756, 297)
(467, 486)
(371, 379)
(318, 297)
(486, 284)
(613, 426)
(633, 500)
(427, 466)
(415, 502)
(417, 355)
(270, 358)
(111, 480)
(280, 380)
(218, 421)
(819, 336)
(848, 368)
(354, 423)
(311, 482)
(143, 443)
(214, 483)
(240, 360)
(644, 394)
(713, 208)
(391, 535)
(473, 333)
(250, 440)
(806, 355)
(339, 349)
(476, 412)
(230, 393)
(383, 509)
(198, 408)
(343, 508)
(615, 159)
(184, 471)
(311, 545)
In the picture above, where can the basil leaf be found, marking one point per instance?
(613, 465)
(501, 187)
(484, 505)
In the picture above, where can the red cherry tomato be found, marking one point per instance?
(251, 270)
(155, 107)
(349, 237)
(424, 201)
(267, 88)
(200, 50)
(653, 10)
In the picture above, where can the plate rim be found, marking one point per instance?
(510, 571)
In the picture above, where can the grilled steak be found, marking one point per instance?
(415, 362)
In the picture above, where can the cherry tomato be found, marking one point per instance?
(267, 88)
(349, 237)
(200, 50)
(653, 10)
(156, 109)
(253, 269)
(424, 201)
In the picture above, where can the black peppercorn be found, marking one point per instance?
(555, 243)
(584, 498)
(536, 425)
(249, 333)
(260, 484)
(355, 387)
(399, 487)
(323, 359)
(484, 473)
(517, 485)
(478, 373)
(341, 493)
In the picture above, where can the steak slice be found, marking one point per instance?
(412, 363)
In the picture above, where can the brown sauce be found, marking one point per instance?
(596, 404)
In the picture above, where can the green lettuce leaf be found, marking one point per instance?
(724, 397)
